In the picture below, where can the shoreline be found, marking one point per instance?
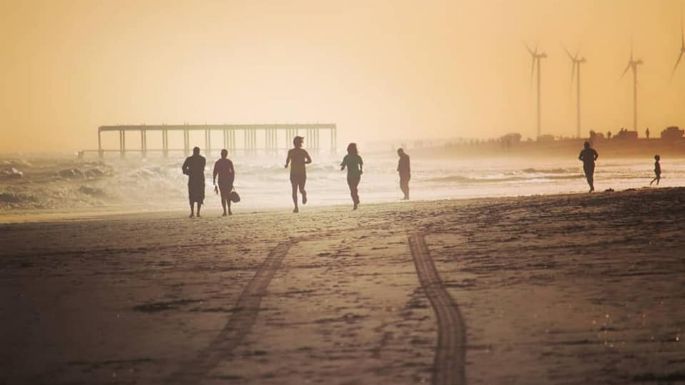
(126, 212)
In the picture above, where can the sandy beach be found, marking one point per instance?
(558, 289)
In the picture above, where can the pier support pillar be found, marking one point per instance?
(231, 140)
(165, 143)
(270, 136)
(143, 142)
(316, 139)
(122, 143)
(333, 139)
(100, 153)
(288, 137)
(226, 139)
(186, 142)
(208, 142)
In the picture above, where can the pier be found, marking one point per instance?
(254, 137)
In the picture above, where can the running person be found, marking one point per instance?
(588, 155)
(223, 168)
(354, 164)
(298, 158)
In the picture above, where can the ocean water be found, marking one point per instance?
(64, 183)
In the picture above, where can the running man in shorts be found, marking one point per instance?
(588, 156)
(297, 159)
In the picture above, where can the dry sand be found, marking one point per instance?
(569, 289)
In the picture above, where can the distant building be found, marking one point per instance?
(672, 133)
(546, 138)
(626, 135)
(511, 138)
(596, 136)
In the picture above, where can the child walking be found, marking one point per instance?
(657, 170)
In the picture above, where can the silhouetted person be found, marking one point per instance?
(223, 168)
(588, 155)
(404, 169)
(647, 132)
(657, 170)
(298, 158)
(354, 164)
(194, 167)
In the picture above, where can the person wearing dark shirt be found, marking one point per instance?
(298, 158)
(404, 169)
(194, 167)
(223, 168)
(354, 164)
(588, 156)
(657, 170)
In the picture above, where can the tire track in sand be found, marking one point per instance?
(450, 354)
(238, 325)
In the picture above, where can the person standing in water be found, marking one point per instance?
(298, 158)
(657, 170)
(588, 156)
(194, 167)
(404, 169)
(223, 168)
(354, 164)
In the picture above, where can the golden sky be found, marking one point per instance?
(380, 69)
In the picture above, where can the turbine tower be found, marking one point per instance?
(632, 65)
(537, 57)
(575, 72)
(682, 47)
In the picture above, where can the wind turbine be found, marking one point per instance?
(682, 46)
(536, 57)
(632, 65)
(575, 72)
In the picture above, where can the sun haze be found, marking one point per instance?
(379, 69)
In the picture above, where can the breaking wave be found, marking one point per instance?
(65, 183)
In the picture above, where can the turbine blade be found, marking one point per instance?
(529, 50)
(568, 53)
(626, 70)
(677, 62)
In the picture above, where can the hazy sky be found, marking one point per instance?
(380, 69)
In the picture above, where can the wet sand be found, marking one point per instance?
(563, 289)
